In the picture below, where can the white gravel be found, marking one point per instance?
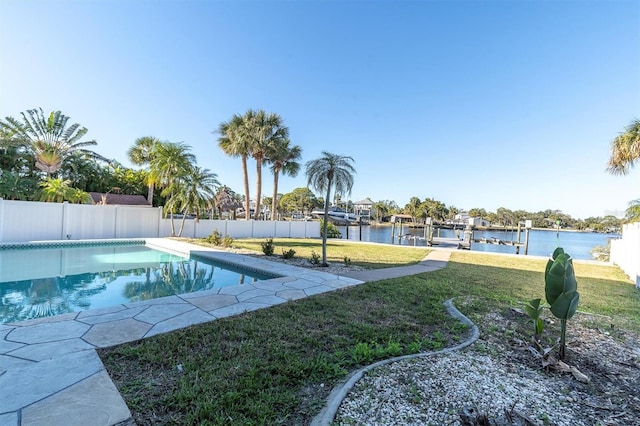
(433, 390)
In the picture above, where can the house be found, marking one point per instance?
(100, 198)
(363, 209)
(463, 218)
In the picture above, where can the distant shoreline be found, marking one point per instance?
(494, 228)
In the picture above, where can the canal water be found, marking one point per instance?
(541, 242)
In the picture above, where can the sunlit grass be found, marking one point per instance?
(370, 256)
(277, 365)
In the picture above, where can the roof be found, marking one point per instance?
(118, 199)
(366, 201)
(400, 216)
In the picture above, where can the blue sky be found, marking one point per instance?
(477, 104)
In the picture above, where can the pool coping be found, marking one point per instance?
(51, 374)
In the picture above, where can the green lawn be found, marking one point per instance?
(370, 256)
(277, 365)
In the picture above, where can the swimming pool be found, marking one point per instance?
(46, 279)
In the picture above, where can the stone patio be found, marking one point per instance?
(50, 373)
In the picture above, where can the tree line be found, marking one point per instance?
(44, 157)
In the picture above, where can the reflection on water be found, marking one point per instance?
(158, 276)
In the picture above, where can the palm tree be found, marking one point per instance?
(170, 161)
(283, 158)
(323, 174)
(632, 213)
(226, 200)
(192, 193)
(235, 142)
(49, 138)
(54, 190)
(625, 150)
(140, 154)
(413, 208)
(380, 209)
(265, 130)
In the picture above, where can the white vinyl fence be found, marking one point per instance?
(22, 221)
(625, 252)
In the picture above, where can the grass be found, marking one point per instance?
(369, 256)
(277, 365)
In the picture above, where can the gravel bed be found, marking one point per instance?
(437, 389)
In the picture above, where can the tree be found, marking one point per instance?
(235, 142)
(452, 212)
(140, 154)
(266, 130)
(300, 200)
(170, 162)
(48, 138)
(505, 216)
(412, 208)
(433, 209)
(632, 214)
(128, 180)
(85, 173)
(227, 200)
(478, 212)
(625, 150)
(59, 190)
(384, 208)
(15, 187)
(191, 193)
(323, 174)
(283, 158)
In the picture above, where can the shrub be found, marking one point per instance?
(315, 258)
(332, 230)
(227, 241)
(288, 254)
(561, 291)
(267, 247)
(215, 238)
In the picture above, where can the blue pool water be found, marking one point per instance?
(41, 282)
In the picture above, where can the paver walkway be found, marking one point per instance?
(50, 373)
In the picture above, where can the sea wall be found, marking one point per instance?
(22, 221)
(625, 252)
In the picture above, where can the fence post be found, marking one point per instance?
(63, 225)
(115, 222)
(159, 209)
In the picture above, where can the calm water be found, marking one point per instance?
(541, 243)
(38, 283)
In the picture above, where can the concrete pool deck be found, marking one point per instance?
(50, 373)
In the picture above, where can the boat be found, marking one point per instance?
(337, 216)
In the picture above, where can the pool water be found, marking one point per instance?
(37, 282)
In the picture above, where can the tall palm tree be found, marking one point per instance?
(323, 174)
(283, 159)
(140, 154)
(235, 142)
(265, 129)
(625, 150)
(48, 137)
